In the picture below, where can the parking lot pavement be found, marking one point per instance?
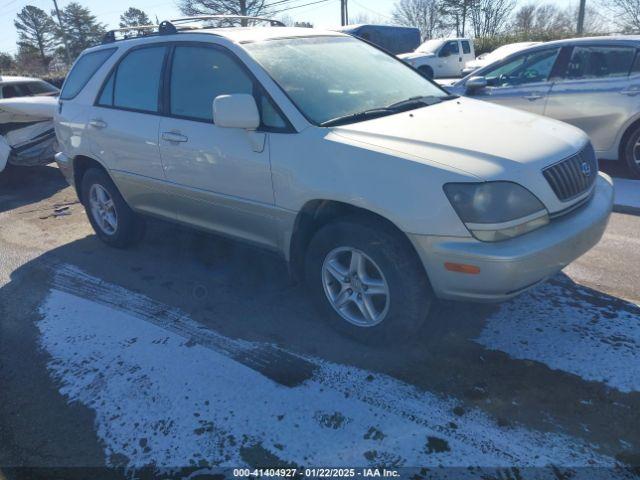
(193, 351)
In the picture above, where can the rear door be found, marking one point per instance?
(522, 81)
(598, 90)
(467, 54)
(124, 128)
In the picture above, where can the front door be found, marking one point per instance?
(521, 82)
(220, 177)
(449, 63)
(598, 92)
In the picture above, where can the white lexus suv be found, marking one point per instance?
(378, 188)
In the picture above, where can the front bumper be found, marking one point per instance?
(510, 267)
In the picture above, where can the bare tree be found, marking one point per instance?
(627, 14)
(423, 14)
(456, 14)
(546, 21)
(252, 8)
(490, 17)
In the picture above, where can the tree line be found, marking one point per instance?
(47, 43)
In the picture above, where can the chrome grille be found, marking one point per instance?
(574, 175)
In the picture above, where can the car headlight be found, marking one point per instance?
(494, 211)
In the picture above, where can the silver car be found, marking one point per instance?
(592, 83)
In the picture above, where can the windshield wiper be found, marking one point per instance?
(358, 117)
(402, 106)
(417, 102)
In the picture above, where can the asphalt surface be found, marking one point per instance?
(116, 357)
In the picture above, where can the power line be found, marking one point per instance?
(300, 6)
(372, 11)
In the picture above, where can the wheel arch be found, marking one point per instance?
(81, 164)
(635, 123)
(317, 213)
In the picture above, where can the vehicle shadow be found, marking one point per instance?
(242, 293)
(21, 186)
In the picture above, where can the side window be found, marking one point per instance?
(527, 68)
(450, 48)
(135, 84)
(600, 62)
(466, 48)
(12, 91)
(200, 74)
(82, 72)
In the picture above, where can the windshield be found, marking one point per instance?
(330, 77)
(430, 46)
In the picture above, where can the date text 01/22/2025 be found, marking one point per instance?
(315, 472)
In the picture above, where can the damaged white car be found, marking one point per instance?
(27, 106)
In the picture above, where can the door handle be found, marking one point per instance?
(631, 92)
(174, 137)
(533, 97)
(97, 123)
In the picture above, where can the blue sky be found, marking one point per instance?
(325, 14)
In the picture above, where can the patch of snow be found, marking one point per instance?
(169, 392)
(571, 328)
(627, 192)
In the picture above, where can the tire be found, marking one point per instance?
(401, 313)
(426, 71)
(122, 227)
(631, 152)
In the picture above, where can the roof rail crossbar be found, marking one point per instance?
(222, 18)
(164, 28)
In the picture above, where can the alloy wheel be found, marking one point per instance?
(355, 287)
(103, 209)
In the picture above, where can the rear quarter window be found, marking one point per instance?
(82, 71)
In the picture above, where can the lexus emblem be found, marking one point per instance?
(585, 168)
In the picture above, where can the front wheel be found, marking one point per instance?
(426, 71)
(367, 281)
(631, 152)
(112, 219)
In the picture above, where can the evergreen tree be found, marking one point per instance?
(81, 28)
(36, 33)
(134, 17)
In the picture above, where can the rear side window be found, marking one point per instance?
(14, 90)
(200, 74)
(600, 62)
(82, 72)
(466, 48)
(135, 84)
(636, 64)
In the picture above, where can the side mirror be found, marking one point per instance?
(476, 83)
(444, 52)
(238, 110)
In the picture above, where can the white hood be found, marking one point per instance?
(413, 55)
(487, 141)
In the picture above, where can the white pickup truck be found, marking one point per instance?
(441, 57)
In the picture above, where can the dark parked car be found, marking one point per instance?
(393, 39)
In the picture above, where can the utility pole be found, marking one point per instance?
(64, 34)
(580, 28)
(344, 13)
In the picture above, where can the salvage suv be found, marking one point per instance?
(378, 188)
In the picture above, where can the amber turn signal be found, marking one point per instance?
(462, 268)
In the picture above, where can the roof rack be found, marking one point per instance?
(226, 19)
(169, 27)
(164, 28)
